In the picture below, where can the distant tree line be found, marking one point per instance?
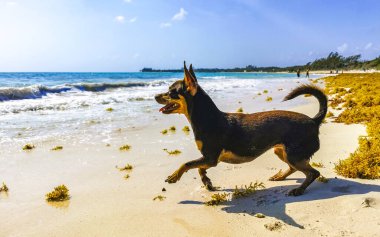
(334, 61)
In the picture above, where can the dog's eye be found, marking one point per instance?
(173, 94)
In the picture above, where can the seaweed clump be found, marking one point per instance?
(269, 99)
(186, 129)
(57, 148)
(125, 147)
(173, 152)
(60, 193)
(172, 129)
(28, 147)
(165, 131)
(159, 198)
(4, 188)
(240, 110)
(217, 199)
(323, 179)
(126, 167)
(317, 164)
(109, 109)
(247, 190)
(361, 104)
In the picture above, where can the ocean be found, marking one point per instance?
(73, 106)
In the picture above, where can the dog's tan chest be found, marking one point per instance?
(232, 158)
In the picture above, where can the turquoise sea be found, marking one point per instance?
(66, 105)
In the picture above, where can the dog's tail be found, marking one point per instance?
(316, 92)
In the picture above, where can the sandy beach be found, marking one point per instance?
(104, 203)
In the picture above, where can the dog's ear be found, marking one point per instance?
(192, 72)
(190, 81)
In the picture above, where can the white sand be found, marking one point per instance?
(103, 203)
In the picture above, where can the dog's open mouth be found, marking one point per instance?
(170, 107)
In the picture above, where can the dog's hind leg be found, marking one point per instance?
(311, 175)
(279, 150)
(206, 180)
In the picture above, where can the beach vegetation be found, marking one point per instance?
(109, 109)
(265, 91)
(126, 167)
(323, 179)
(259, 93)
(362, 105)
(127, 176)
(60, 193)
(247, 190)
(4, 188)
(317, 164)
(28, 147)
(217, 199)
(269, 99)
(159, 198)
(173, 152)
(165, 131)
(186, 129)
(172, 129)
(240, 110)
(57, 148)
(329, 114)
(125, 147)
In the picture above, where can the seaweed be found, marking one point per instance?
(259, 215)
(57, 148)
(165, 131)
(277, 225)
(361, 104)
(126, 167)
(4, 188)
(109, 109)
(323, 179)
(265, 91)
(28, 147)
(240, 110)
(60, 193)
(268, 99)
(318, 165)
(247, 190)
(125, 147)
(159, 197)
(126, 176)
(173, 152)
(217, 199)
(329, 114)
(186, 129)
(172, 129)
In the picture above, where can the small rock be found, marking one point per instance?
(163, 190)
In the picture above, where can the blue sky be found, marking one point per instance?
(126, 35)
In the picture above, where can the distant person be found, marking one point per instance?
(298, 73)
(307, 73)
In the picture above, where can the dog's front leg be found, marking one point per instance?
(200, 163)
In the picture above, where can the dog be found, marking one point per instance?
(237, 138)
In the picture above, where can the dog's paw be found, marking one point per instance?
(173, 178)
(296, 192)
(209, 187)
(277, 177)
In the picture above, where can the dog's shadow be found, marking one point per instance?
(272, 201)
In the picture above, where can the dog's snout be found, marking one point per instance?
(160, 98)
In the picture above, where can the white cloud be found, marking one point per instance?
(165, 24)
(132, 20)
(180, 15)
(368, 46)
(120, 19)
(343, 47)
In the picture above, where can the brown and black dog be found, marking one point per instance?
(237, 138)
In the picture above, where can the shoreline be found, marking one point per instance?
(103, 203)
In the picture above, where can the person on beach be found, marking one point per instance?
(298, 72)
(307, 73)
